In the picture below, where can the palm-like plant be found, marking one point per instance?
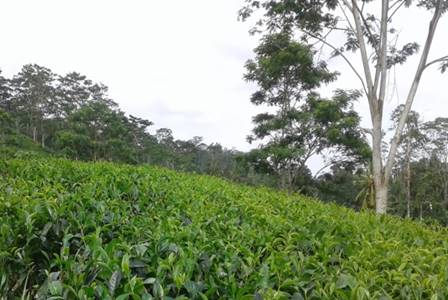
(366, 196)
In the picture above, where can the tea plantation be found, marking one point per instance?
(71, 230)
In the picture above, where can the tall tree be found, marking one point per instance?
(143, 142)
(33, 99)
(302, 124)
(5, 125)
(437, 133)
(369, 31)
(5, 93)
(73, 91)
(100, 131)
(411, 145)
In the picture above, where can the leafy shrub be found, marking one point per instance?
(100, 231)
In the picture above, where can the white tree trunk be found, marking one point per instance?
(381, 186)
(408, 179)
(381, 198)
(34, 134)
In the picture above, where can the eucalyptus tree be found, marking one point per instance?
(5, 93)
(5, 125)
(142, 141)
(437, 133)
(369, 32)
(33, 91)
(411, 146)
(73, 91)
(98, 131)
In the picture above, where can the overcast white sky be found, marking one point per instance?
(177, 63)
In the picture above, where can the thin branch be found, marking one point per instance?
(395, 11)
(366, 25)
(342, 55)
(443, 58)
(323, 38)
(376, 49)
(364, 56)
(322, 44)
(370, 34)
(323, 168)
(395, 3)
(377, 73)
(383, 54)
(345, 15)
(340, 29)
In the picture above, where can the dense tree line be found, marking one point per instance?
(74, 117)
(420, 177)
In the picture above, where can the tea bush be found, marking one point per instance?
(71, 230)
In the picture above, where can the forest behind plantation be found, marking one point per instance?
(71, 116)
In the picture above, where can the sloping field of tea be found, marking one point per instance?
(103, 231)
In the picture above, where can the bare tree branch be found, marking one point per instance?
(366, 25)
(342, 55)
(323, 168)
(364, 56)
(345, 14)
(441, 59)
(395, 3)
(383, 54)
(395, 10)
(380, 72)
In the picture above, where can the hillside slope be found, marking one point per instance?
(99, 230)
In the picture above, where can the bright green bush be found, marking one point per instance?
(101, 231)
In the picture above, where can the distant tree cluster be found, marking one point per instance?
(420, 177)
(73, 116)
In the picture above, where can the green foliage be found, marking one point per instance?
(284, 69)
(14, 144)
(77, 230)
(341, 186)
(286, 74)
(302, 124)
(420, 180)
(5, 123)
